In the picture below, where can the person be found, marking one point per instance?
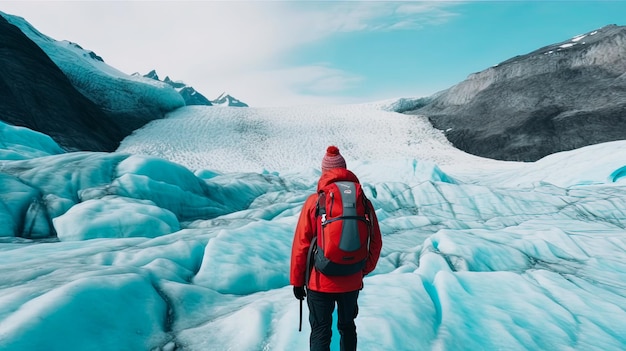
(322, 291)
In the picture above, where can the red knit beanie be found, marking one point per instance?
(333, 159)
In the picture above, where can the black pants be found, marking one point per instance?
(321, 307)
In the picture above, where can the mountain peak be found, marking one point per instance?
(228, 100)
(193, 97)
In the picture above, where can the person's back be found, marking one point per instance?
(323, 291)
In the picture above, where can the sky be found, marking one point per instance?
(285, 53)
(151, 254)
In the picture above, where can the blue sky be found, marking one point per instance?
(303, 52)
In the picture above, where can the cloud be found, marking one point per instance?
(215, 45)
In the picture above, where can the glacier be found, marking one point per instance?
(180, 240)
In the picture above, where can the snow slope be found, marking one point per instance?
(105, 85)
(287, 139)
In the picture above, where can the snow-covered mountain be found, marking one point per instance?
(35, 93)
(112, 109)
(189, 94)
(71, 94)
(193, 97)
(227, 100)
(109, 88)
(180, 240)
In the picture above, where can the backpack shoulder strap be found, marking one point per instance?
(368, 216)
(320, 210)
(320, 206)
(309, 260)
(367, 205)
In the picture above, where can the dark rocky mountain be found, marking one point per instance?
(70, 94)
(192, 96)
(227, 100)
(34, 93)
(559, 97)
(189, 94)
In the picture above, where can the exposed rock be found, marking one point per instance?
(93, 108)
(227, 100)
(560, 97)
(193, 97)
(34, 93)
(189, 94)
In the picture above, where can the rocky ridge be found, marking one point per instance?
(560, 97)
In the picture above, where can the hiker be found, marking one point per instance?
(341, 284)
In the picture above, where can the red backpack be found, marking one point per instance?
(341, 245)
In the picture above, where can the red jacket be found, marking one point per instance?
(306, 230)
